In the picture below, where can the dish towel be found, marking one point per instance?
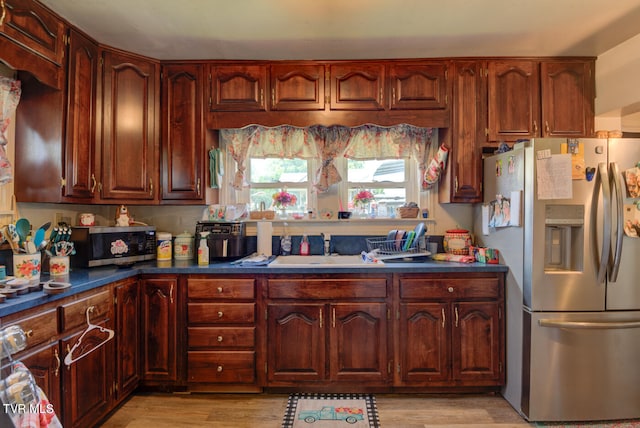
(444, 257)
(216, 167)
(44, 418)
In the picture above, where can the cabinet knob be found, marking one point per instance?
(219, 369)
(219, 338)
(219, 289)
(450, 289)
(220, 314)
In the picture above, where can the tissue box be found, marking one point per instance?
(485, 255)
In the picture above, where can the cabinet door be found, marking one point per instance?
(87, 383)
(129, 151)
(476, 342)
(357, 86)
(514, 100)
(297, 87)
(424, 342)
(45, 365)
(568, 91)
(468, 126)
(418, 86)
(238, 88)
(127, 338)
(297, 342)
(80, 173)
(358, 342)
(159, 327)
(183, 157)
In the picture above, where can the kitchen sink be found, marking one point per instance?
(319, 261)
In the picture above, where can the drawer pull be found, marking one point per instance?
(219, 289)
(220, 314)
(443, 317)
(57, 357)
(29, 333)
(219, 338)
(219, 369)
(450, 289)
(171, 294)
(456, 310)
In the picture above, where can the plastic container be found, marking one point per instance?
(304, 246)
(183, 247)
(163, 246)
(203, 250)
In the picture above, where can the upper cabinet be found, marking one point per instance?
(533, 98)
(418, 86)
(37, 40)
(129, 143)
(357, 86)
(237, 87)
(297, 87)
(568, 93)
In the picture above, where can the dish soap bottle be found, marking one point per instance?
(203, 250)
(304, 246)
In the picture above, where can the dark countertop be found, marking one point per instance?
(87, 279)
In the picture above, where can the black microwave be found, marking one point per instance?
(102, 245)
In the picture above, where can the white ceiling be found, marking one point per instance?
(354, 29)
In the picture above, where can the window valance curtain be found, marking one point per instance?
(9, 97)
(326, 143)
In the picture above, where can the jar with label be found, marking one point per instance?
(183, 247)
(163, 246)
(457, 241)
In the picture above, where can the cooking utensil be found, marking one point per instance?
(46, 226)
(38, 237)
(9, 237)
(23, 228)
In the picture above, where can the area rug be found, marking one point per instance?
(610, 424)
(331, 410)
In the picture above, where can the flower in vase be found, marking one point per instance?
(284, 199)
(363, 197)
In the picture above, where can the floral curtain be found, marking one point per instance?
(326, 143)
(9, 96)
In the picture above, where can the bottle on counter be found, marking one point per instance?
(304, 246)
(203, 250)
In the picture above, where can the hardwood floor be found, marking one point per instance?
(266, 411)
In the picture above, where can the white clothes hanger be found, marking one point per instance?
(89, 342)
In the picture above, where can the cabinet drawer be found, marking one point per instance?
(221, 337)
(74, 314)
(222, 366)
(38, 328)
(456, 288)
(220, 288)
(338, 288)
(220, 313)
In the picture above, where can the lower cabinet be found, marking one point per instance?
(159, 315)
(127, 361)
(221, 331)
(450, 330)
(331, 331)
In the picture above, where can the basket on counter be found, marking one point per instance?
(408, 212)
(262, 215)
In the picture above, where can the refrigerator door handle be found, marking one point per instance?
(588, 325)
(602, 184)
(616, 183)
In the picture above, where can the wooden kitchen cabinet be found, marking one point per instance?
(568, 94)
(129, 128)
(159, 315)
(463, 179)
(80, 131)
(340, 329)
(183, 157)
(297, 86)
(45, 365)
(32, 38)
(222, 333)
(238, 87)
(418, 86)
(357, 86)
(450, 330)
(127, 339)
(514, 99)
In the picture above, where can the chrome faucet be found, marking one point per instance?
(327, 243)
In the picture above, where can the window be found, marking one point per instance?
(270, 175)
(386, 179)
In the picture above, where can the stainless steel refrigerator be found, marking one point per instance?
(558, 210)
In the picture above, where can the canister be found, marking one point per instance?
(183, 247)
(163, 246)
(457, 241)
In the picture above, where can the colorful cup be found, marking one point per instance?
(27, 266)
(59, 265)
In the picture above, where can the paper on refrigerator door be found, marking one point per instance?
(553, 176)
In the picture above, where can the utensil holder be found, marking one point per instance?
(27, 266)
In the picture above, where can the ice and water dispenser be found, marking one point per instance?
(564, 237)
